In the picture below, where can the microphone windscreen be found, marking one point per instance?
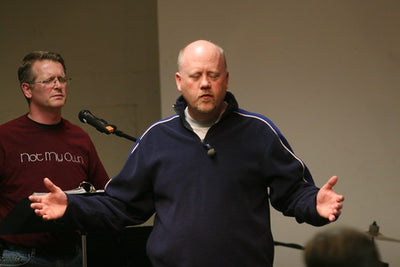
(83, 115)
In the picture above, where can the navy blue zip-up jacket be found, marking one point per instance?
(211, 210)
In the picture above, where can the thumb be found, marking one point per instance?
(50, 185)
(331, 183)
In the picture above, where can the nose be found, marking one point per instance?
(205, 82)
(57, 83)
(56, 79)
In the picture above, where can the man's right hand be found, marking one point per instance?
(50, 206)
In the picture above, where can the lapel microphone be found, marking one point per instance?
(210, 150)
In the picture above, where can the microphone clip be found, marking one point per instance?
(211, 152)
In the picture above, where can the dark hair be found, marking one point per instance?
(25, 74)
(341, 246)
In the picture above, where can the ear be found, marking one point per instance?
(227, 80)
(178, 80)
(26, 90)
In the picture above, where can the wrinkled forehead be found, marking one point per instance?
(47, 67)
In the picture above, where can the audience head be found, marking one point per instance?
(341, 247)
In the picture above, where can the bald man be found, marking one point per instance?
(205, 172)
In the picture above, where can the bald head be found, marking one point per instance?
(202, 79)
(202, 48)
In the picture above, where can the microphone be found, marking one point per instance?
(210, 150)
(101, 125)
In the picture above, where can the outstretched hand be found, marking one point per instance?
(329, 203)
(50, 206)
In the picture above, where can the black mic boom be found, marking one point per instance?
(101, 125)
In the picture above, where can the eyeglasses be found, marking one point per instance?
(53, 80)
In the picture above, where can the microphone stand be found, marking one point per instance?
(122, 134)
(289, 245)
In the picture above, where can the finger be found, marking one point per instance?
(34, 198)
(36, 206)
(332, 218)
(39, 212)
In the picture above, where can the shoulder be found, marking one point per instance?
(21, 121)
(157, 130)
(70, 125)
(73, 128)
(164, 123)
(258, 119)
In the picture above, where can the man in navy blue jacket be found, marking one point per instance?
(208, 173)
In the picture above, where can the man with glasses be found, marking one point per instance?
(43, 144)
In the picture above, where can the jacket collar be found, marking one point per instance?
(181, 104)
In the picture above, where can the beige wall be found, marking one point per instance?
(111, 52)
(328, 74)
